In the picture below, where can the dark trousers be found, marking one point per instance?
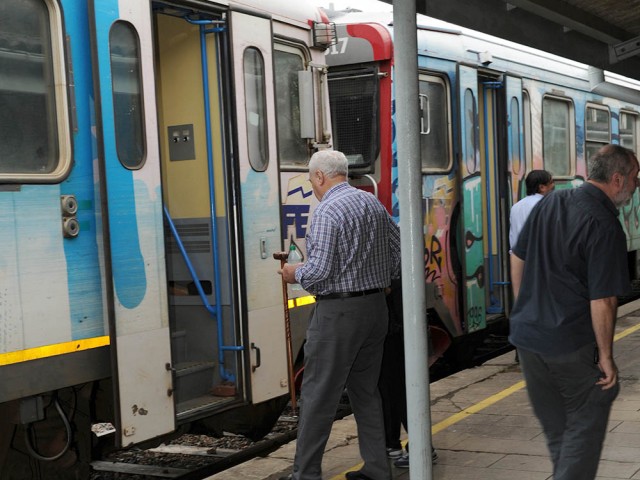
(344, 347)
(393, 389)
(572, 409)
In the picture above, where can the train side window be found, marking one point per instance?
(471, 140)
(629, 130)
(292, 148)
(36, 144)
(126, 85)
(597, 128)
(355, 114)
(515, 136)
(435, 136)
(255, 109)
(528, 143)
(558, 136)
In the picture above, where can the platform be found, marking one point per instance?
(484, 429)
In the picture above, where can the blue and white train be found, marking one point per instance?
(147, 152)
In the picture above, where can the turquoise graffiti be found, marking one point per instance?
(474, 274)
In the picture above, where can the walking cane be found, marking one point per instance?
(282, 256)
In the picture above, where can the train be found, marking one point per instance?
(490, 111)
(152, 147)
(156, 160)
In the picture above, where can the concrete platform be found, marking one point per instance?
(484, 429)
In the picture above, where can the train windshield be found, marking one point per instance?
(354, 97)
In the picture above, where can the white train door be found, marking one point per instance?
(256, 157)
(128, 161)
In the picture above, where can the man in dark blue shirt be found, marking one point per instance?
(568, 267)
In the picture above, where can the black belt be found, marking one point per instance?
(330, 296)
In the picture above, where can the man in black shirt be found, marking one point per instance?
(568, 267)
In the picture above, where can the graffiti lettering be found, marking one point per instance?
(474, 318)
(433, 260)
(297, 215)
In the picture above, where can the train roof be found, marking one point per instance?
(443, 40)
(286, 11)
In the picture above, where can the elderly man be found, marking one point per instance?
(568, 268)
(353, 251)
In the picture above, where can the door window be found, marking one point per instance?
(124, 48)
(292, 148)
(256, 109)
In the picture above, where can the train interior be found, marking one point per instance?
(198, 242)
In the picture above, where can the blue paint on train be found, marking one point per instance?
(129, 276)
(81, 253)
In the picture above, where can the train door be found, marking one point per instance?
(514, 136)
(494, 165)
(472, 207)
(194, 128)
(129, 169)
(260, 231)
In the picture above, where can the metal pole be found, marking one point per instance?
(412, 240)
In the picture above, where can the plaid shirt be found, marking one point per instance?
(353, 244)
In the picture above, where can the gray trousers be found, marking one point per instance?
(572, 409)
(344, 347)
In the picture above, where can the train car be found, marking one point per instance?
(140, 206)
(490, 112)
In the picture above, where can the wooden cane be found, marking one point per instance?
(282, 256)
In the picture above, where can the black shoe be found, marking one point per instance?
(286, 477)
(357, 475)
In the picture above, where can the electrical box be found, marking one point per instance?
(181, 144)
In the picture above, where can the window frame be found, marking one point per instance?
(589, 143)
(571, 134)
(60, 91)
(635, 130)
(441, 79)
(263, 126)
(302, 51)
(143, 158)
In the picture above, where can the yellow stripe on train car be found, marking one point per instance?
(300, 301)
(51, 350)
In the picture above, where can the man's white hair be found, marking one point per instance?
(330, 162)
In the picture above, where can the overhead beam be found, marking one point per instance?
(572, 18)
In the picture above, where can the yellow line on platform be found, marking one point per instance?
(487, 402)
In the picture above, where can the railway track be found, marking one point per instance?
(194, 457)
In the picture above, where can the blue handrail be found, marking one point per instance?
(215, 310)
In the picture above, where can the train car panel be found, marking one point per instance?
(259, 186)
(130, 162)
(472, 210)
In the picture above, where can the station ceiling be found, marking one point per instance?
(600, 33)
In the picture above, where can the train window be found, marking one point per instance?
(597, 128)
(292, 148)
(558, 133)
(528, 143)
(516, 159)
(36, 145)
(629, 130)
(353, 95)
(255, 109)
(470, 140)
(126, 84)
(434, 124)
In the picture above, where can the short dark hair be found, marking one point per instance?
(611, 159)
(535, 179)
